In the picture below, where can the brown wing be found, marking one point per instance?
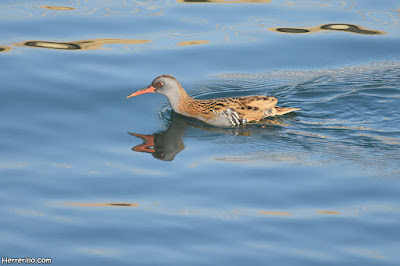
(251, 108)
(262, 102)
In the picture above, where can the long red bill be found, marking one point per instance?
(142, 91)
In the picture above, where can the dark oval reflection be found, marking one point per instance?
(4, 49)
(292, 30)
(80, 45)
(350, 28)
(332, 27)
(52, 45)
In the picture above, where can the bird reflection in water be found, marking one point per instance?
(166, 144)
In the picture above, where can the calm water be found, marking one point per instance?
(89, 177)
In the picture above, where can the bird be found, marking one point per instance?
(221, 112)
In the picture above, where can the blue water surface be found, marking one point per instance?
(89, 177)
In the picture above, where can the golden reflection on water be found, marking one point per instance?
(157, 7)
(193, 42)
(330, 27)
(79, 45)
(328, 212)
(4, 49)
(223, 1)
(60, 8)
(118, 204)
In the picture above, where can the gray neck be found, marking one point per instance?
(174, 97)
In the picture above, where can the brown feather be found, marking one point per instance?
(284, 110)
(251, 108)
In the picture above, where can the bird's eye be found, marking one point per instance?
(160, 84)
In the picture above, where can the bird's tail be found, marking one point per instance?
(284, 110)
